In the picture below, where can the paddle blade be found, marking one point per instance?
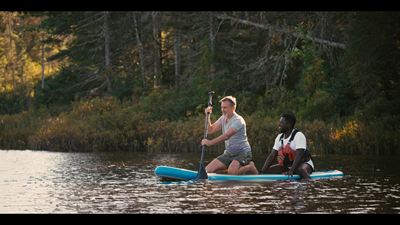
(202, 174)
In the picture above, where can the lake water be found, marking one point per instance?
(54, 182)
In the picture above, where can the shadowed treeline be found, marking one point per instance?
(109, 125)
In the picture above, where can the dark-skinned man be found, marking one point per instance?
(290, 148)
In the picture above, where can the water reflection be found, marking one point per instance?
(46, 182)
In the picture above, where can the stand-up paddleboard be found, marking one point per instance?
(173, 173)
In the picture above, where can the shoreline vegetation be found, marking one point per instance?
(107, 124)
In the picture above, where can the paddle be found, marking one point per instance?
(202, 174)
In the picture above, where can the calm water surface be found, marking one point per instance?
(53, 182)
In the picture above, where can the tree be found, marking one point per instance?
(22, 56)
(373, 62)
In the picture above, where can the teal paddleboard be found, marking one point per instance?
(167, 172)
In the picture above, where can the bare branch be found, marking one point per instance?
(284, 30)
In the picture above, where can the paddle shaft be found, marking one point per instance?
(206, 125)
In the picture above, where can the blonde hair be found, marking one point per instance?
(231, 99)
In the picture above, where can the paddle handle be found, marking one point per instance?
(210, 96)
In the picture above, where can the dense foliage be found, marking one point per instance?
(138, 81)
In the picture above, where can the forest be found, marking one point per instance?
(105, 81)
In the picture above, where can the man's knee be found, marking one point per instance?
(234, 167)
(274, 169)
(248, 169)
(214, 166)
(304, 169)
(301, 171)
(209, 169)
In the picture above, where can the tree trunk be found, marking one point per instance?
(267, 72)
(10, 50)
(43, 46)
(141, 51)
(212, 45)
(157, 49)
(177, 50)
(108, 69)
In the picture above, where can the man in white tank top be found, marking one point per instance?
(290, 148)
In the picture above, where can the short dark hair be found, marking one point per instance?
(290, 117)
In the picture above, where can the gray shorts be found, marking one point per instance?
(244, 158)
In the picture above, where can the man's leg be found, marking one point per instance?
(274, 169)
(304, 170)
(214, 166)
(248, 169)
(233, 168)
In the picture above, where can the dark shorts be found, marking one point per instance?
(244, 158)
(311, 164)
